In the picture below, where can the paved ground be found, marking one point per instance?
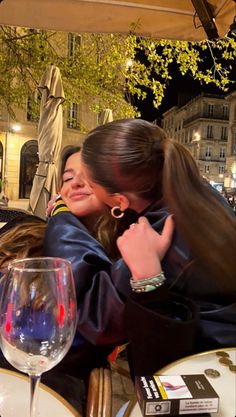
(21, 204)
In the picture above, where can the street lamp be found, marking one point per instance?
(14, 128)
(128, 69)
(129, 63)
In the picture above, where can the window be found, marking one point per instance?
(222, 152)
(28, 165)
(190, 138)
(74, 41)
(210, 109)
(225, 111)
(209, 131)
(207, 169)
(72, 117)
(234, 144)
(221, 169)
(224, 133)
(208, 152)
(187, 137)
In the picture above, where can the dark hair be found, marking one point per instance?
(137, 156)
(65, 154)
(130, 157)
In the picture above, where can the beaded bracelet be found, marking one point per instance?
(148, 284)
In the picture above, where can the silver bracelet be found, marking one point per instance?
(148, 284)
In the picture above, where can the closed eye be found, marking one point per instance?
(67, 179)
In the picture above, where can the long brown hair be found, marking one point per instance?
(22, 240)
(137, 156)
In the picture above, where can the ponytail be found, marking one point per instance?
(204, 222)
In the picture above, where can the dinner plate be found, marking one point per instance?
(217, 372)
(15, 398)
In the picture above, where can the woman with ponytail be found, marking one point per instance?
(132, 164)
(174, 291)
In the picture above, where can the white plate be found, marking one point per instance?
(15, 398)
(224, 385)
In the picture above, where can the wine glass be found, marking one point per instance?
(37, 316)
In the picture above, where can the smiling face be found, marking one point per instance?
(75, 191)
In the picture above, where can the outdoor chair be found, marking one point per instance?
(7, 214)
(99, 400)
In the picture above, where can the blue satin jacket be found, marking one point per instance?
(103, 287)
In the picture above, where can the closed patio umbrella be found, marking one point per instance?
(105, 116)
(49, 140)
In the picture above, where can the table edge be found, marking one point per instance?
(195, 355)
(45, 388)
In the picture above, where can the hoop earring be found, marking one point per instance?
(117, 215)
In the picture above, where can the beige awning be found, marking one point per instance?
(169, 19)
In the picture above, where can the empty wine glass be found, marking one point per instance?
(37, 316)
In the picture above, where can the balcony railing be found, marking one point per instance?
(217, 115)
(212, 159)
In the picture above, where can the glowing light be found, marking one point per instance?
(196, 137)
(16, 128)
(129, 63)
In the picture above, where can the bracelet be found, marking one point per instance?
(148, 284)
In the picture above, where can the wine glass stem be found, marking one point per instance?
(34, 383)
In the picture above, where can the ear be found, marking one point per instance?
(122, 201)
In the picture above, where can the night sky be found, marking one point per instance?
(179, 90)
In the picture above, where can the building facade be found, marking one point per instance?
(230, 177)
(18, 140)
(206, 125)
(19, 146)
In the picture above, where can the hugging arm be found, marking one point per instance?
(101, 286)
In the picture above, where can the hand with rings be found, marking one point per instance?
(50, 205)
(142, 248)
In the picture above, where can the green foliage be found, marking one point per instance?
(190, 58)
(95, 70)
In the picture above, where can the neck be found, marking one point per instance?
(136, 203)
(90, 222)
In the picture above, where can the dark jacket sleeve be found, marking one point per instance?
(161, 326)
(101, 286)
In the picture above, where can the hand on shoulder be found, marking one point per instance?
(142, 248)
